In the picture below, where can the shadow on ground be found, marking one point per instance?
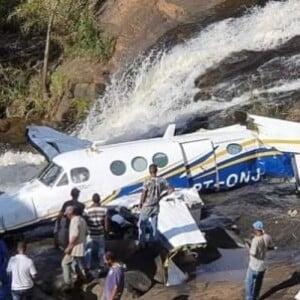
(293, 280)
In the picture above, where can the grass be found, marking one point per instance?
(58, 83)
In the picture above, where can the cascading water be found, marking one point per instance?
(160, 88)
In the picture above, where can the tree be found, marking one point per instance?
(47, 49)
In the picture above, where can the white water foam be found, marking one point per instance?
(160, 90)
(10, 158)
(18, 167)
(285, 87)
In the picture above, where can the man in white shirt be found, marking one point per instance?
(23, 273)
(74, 253)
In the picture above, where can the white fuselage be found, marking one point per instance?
(210, 160)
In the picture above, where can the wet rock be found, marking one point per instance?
(245, 62)
(88, 90)
(94, 289)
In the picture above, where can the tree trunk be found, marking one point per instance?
(46, 52)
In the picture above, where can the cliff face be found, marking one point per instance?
(139, 24)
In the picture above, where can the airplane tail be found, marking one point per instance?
(282, 135)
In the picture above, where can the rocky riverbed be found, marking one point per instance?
(220, 275)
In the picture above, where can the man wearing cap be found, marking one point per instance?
(149, 203)
(260, 244)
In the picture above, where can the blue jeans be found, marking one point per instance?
(253, 283)
(93, 246)
(22, 295)
(149, 224)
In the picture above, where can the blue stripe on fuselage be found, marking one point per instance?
(236, 175)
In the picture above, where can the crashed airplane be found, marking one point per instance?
(208, 160)
(203, 161)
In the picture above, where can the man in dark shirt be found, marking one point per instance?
(61, 229)
(114, 283)
(73, 202)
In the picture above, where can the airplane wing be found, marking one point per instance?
(50, 142)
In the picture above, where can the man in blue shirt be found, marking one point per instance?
(4, 280)
(114, 283)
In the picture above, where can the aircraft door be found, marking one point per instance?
(200, 164)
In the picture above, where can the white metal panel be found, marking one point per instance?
(177, 225)
(199, 157)
(175, 221)
(127, 153)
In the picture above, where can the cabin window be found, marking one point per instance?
(160, 159)
(234, 148)
(118, 167)
(50, 174)
(63, 181)
(139, 164)
(80, 175)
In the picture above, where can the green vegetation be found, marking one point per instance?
(13, 87)
(71, 26)
(80, 107)
(87, 40)
(74, 25)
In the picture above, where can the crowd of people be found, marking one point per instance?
(86, 227)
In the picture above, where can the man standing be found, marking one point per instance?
(61, 230)
(75, 192)
(4, 280)
(149, 203)
(74, 253)
(23, 273)
(114, 283)
(260, 244)
(95, 217)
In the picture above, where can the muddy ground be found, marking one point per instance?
(220, 279)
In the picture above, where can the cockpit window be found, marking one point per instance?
(63, 181)
(50, 174)
(79, 175)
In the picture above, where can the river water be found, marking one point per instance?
(160, 88)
